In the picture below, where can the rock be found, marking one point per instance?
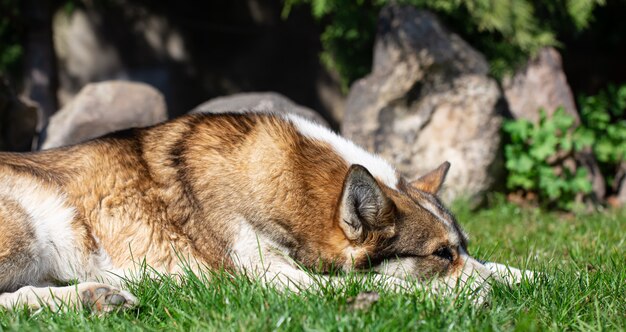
(541, 84)
(587, 159)
(258, 102)
(18, 120)
(154, 42)
(101, 108)
(91, 47)
(428, 99)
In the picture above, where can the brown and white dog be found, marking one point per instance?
(256, 193)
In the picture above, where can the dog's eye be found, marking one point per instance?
(445, 253)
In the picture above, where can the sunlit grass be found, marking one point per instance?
(583, 287)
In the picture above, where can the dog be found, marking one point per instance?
(275, 196)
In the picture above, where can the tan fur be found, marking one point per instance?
(132, 187)
(184, 188)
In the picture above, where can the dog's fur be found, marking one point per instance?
(256, 193)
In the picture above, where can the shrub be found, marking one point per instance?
(537, 157)
(505, 31)
(604, 117)
(536, 152)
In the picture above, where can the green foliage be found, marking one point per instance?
(536, 156)
(348, 38)
(505, 31)
(604, 116)
(10, 48)
(537, 151)
(580, 11)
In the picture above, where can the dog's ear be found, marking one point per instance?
(364, 206)
(432, 181)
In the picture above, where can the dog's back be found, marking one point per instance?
(170, 191)
(231, 191)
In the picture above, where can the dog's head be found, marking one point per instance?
(404, 232)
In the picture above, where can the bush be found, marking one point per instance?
(604, 117)
(537, 156)
(505, 31)
(536, 153)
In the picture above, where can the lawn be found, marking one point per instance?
(583, 258)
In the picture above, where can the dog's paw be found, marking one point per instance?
(102, 298)
(509, 275)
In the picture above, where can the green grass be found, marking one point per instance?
(584, 288)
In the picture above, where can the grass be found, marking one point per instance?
(583, 257)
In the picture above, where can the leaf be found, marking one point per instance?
(542, 150)
(562, 120)
(515, 181)
(518, 129)
(522, 164)
(581, 182)
(320, 8)
(566, 143)
(604, 150)
(583, 138)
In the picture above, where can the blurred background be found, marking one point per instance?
(523, 97)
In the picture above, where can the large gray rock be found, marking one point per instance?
(101, 108)
(428, 100)
(257, 102)
(541, 84)
(18, 120)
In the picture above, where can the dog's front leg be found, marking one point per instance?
(96, 296)
(286, 276)
(283, 276)
(507, 274)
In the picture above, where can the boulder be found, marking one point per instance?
(541, 84)
(101, 108)
(258, 102)
(428, 99)
(18, 120)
